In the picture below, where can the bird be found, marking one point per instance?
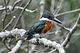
(43, 25)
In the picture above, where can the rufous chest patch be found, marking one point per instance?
(47, 26)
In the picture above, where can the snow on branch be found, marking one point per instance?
(17, 7)
(50, 43)
(16, 47)
(34, 40)
(12, 32)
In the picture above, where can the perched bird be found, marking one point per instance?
(41, 26)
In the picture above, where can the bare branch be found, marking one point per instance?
(7, 3)
(6, 13)
(67, 12)
(18, 7)
(59, 6)
(72, 30)
(62, 26)
(16, 2)
(22, 22)
(52, 6)
(22, 13)
(42, 3)
(16, 47)
(9, 23)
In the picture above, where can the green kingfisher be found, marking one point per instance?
(41, 26)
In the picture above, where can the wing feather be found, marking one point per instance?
(37, 27)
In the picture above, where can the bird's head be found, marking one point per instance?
(49, 17)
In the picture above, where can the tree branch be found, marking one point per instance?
(9, 23)
(34, 40)
(52, 6)
(67, 12)
(59, 6)
(16, 2)
(16, 47)
(42, 3)
(22, 13)
(16, 7)
(72, 30)
(50, 43)
(12, 32)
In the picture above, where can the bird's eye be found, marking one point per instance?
(49, 16)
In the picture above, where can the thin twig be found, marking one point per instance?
(59, 6)
(9, 23)
(62, 26)
(15, 3)
(17, 7)
(6, 12)
(22, 13)
(4, 41)
(52, 6)
(22, 22)
(7, 3)
(67, 12)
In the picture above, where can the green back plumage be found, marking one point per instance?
(38, 26)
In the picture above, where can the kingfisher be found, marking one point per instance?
(43, 25)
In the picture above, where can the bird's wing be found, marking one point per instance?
(37, 27)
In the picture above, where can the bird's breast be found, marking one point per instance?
(47, 26)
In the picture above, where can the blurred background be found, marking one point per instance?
(28, 19)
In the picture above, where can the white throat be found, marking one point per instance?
(46, 19)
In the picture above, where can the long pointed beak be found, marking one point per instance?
(56, 20)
